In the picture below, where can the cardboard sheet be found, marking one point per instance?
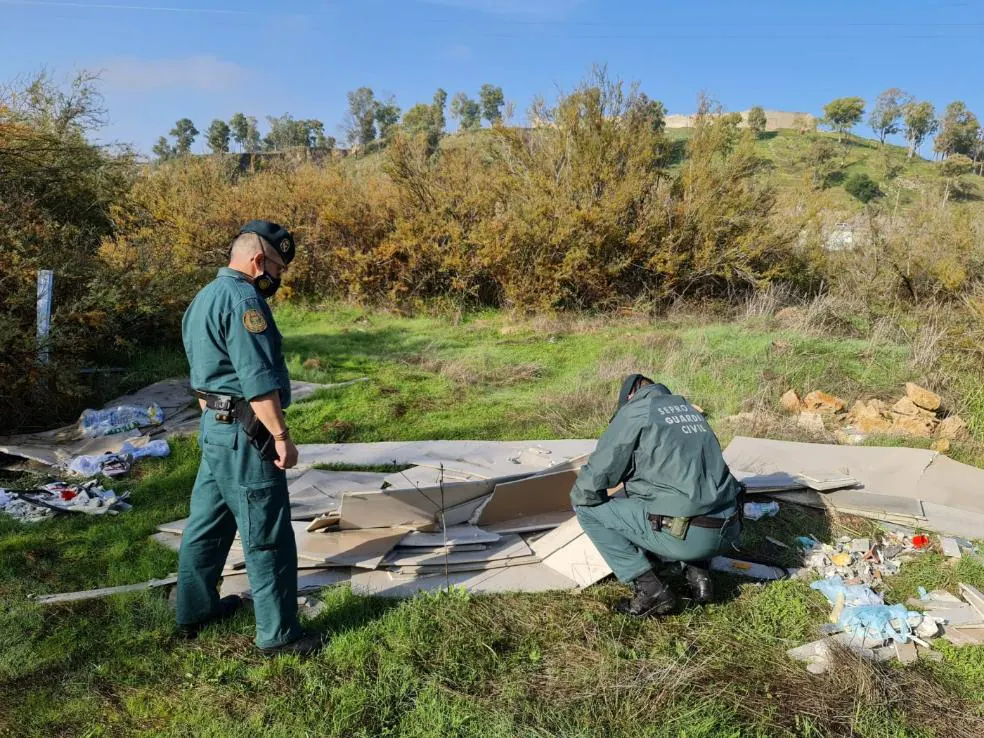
(364, 549)
(485, 459)
(316, 491)
(568, 551)
(308, 580)
(546, 493)
(507, 547)
(526, 578)
(454, 536)
(945, 494)
(410, 507)
(533, 523)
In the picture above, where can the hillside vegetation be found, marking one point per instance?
(599, 208)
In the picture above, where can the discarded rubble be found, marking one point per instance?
(919, 413)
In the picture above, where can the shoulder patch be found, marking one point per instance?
(254, 321)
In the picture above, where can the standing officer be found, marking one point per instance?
(239, 374)
(682, 503)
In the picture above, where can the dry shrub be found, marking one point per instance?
(470, 373)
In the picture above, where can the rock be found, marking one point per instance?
(850, 436)
(951, 549)
(954, 428)
(791, 402)
(906, 406)
(876, 424)
(907, 652)
(822, 402)
(928, 628)
(923, 397)
(941, 446)
(312, 364)
(908, 425)
(811, 421)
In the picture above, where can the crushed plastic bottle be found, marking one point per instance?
(758, 510)
(111, 421)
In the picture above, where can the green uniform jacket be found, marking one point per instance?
(232, 342)
(665, 453)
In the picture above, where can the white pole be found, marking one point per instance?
(46, 279)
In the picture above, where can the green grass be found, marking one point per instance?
(452, 665)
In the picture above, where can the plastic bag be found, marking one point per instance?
(880, 621)
(854, 594)
(757, 510)
(120, 419)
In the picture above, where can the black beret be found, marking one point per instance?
(275, 234)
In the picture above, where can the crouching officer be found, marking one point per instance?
(682, 503)
(239, 374)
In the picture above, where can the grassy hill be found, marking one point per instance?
(899, 177)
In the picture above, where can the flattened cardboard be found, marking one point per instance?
(547, 521)
(364, 549)
(454, 536)
(526, 578)
(507, 547)
(408, 507)
(547, 493)
(308, 580)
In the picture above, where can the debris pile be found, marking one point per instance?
(117, 464)
(48, 500)
(860, 561)
(861, 621)
(483, 516)
(919, 413)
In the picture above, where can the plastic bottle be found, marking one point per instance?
(757, 510)
(119, 419)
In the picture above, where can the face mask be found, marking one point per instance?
(266, 284)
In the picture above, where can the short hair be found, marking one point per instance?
(640, 383)
(246, 245)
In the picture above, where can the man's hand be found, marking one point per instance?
(286, 454)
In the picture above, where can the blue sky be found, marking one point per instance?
(165, 59)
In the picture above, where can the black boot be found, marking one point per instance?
(227, 608)
(308, 643)
(651, 597)
(699, 579)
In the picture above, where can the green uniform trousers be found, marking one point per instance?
(621, 531)
(237, 489)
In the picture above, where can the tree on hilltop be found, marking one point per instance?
(466, 111)
(757, 120)
(217, 137)
(843, 114)
(887, 113)
(918, 122)
(492, 100)
(184, 134)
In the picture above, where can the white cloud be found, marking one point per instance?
(547, 8)
(191, 73)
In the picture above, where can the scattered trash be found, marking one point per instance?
(41, 503)
(114, 420)
(758, 510)
(951, 548)
(118, 464)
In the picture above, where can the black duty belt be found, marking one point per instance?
(699, 521)
(230, 409)
(224, 406)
